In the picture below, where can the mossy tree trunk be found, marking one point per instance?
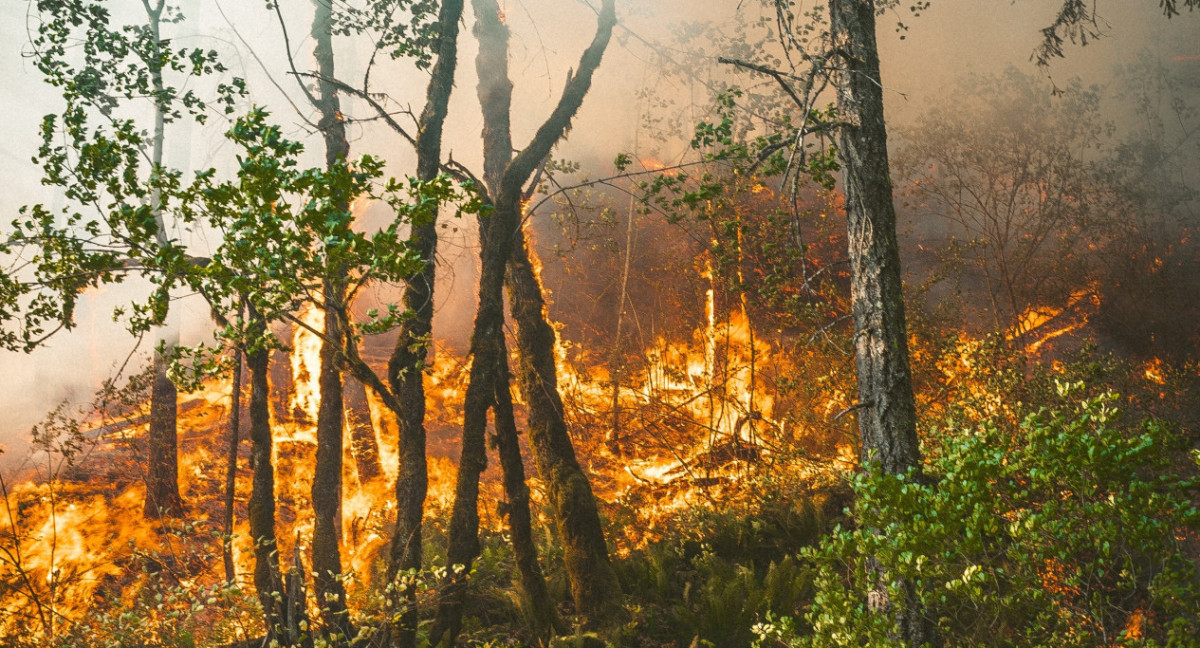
(486, 338)
(407, 363)
(542, 616)
(267, 581)
(502, 237)
(594, 586)
(327, 473)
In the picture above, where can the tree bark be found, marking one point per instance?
(485, 351)
(327, 473)
(594, 586)
(162, 474)
(407, 363)
(542, 617)
(887, 412)
(887, 416)
(267, 580)
(235, 416)
(162, 479)
(327, 483)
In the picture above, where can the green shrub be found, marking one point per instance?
(1063, 530)
(721, 569)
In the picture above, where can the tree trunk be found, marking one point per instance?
(887, 412)
(262, 491)
(594, 585)
(407, 363)
(327, 484)
(162, 480)
(887, 416)
(162, 474)
(486, 347)
(235, 416)
(327, 473)
(542, 617)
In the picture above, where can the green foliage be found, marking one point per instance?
(721, 569)
(401, 28)
(1066, 529)
(287, 228)
(112, 77)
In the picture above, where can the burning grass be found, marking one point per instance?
(721, 451)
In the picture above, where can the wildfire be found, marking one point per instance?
(306, 364)
(652, 164)
(1154, 372)
(1038, 325)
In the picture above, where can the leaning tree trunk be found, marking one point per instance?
(463, 544)
(486, 353)
(267, 581)
(327, 473)
(235, 424)
(406, 365)
(487, 334)
(887, 410)
(594, 586)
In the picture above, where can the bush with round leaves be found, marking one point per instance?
(1070, 528)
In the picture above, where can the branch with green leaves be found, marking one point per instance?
(112, 76)
(286, 228)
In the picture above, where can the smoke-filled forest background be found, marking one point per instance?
(634, 410)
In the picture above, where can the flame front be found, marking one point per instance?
(306, 363)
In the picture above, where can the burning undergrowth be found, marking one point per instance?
(693, 421)
(712, 408)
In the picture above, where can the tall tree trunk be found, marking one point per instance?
(162, 479)
(486, 348)
(267, 580)
(235, 421)
(594, 585)
(327, 474)
(406, 365)
(327, 482)
(887, 412)
(542, 617)
(887, 416)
